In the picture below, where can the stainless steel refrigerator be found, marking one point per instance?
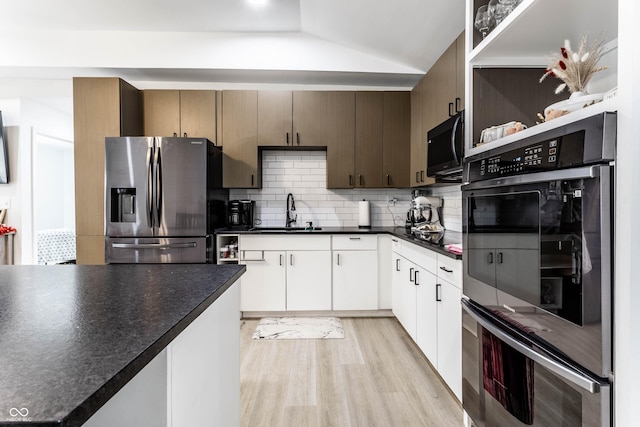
(163, 199)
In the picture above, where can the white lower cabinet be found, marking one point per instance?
(449, 341)
(285, 272)
(355, 272)
(427, 288)
(308, 280)
(264, 284)
(355, 280)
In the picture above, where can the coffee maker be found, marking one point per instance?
(240, 214)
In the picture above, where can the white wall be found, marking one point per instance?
(303, 173)
(24, 116)
(627, 233)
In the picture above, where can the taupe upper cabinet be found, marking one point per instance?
(315, 111)
(275, 118)
(439, 95)
(101, 107)
(383, 137)
(369, 135)
(240, 166)
(396, 139)
(335, 127)
(189, 113)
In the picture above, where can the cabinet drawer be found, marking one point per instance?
(252, 255)
(355, 242)
(396, 245)
(450, 270)
(284, 243)
(420, 256)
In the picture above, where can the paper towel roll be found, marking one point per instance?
(364, 214)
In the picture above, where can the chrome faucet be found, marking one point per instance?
(291, 210)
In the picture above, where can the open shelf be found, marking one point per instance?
(537, 28)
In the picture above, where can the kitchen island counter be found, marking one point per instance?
(72, 336)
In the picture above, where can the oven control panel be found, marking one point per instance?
(541, 156)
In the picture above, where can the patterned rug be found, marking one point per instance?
(278, 328)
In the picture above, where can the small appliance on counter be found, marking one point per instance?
(423, 218)
(240, 214)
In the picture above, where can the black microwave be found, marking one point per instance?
(445, 149)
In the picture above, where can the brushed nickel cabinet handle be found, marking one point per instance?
(451, 113)
(290, 259)
(411, 278)
(397, 264)
(281, 259)
(448, 270)
(438, 296)
(416, 278)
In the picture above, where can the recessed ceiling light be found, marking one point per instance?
(257, 3)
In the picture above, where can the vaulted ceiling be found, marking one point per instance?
(349, 42)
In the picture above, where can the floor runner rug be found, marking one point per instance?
(277, 328)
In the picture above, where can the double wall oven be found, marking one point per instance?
(537, 318)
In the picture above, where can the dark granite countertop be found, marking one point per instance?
(438, 244)
(71, 336)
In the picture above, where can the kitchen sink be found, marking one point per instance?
(282, 229)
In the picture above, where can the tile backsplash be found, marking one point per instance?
(303, 173)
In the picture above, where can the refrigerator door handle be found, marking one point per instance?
(558, 368)
(154, 245)
(158, 186)
(149, 186)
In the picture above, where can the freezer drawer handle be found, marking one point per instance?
(558, 368)
(154, 245)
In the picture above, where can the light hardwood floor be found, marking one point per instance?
(375, 376)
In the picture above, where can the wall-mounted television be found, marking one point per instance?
(4, 154)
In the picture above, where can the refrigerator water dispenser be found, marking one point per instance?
(123, 205)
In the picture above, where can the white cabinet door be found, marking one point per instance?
(355, 280)
(426, 314)
(308, 280)
(407, 297)
(450, 336)
(263, 285)
(397, 277)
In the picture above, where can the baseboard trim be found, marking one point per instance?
(336, 313)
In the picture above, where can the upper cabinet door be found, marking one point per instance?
(198, 114)
(311, 115)
(396, 139)
(339, 127)
(275, 118)
(161, 112)
(369, 132)
(240, 139)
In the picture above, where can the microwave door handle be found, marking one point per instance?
(554, 366)
(453, 139)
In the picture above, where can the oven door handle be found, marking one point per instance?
(562, 370)
(532, 178)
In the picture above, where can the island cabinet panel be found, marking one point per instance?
(194, 381)
(184, 113)
(240, 165)
(369, 134)
(275, 118)
(102, 107)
